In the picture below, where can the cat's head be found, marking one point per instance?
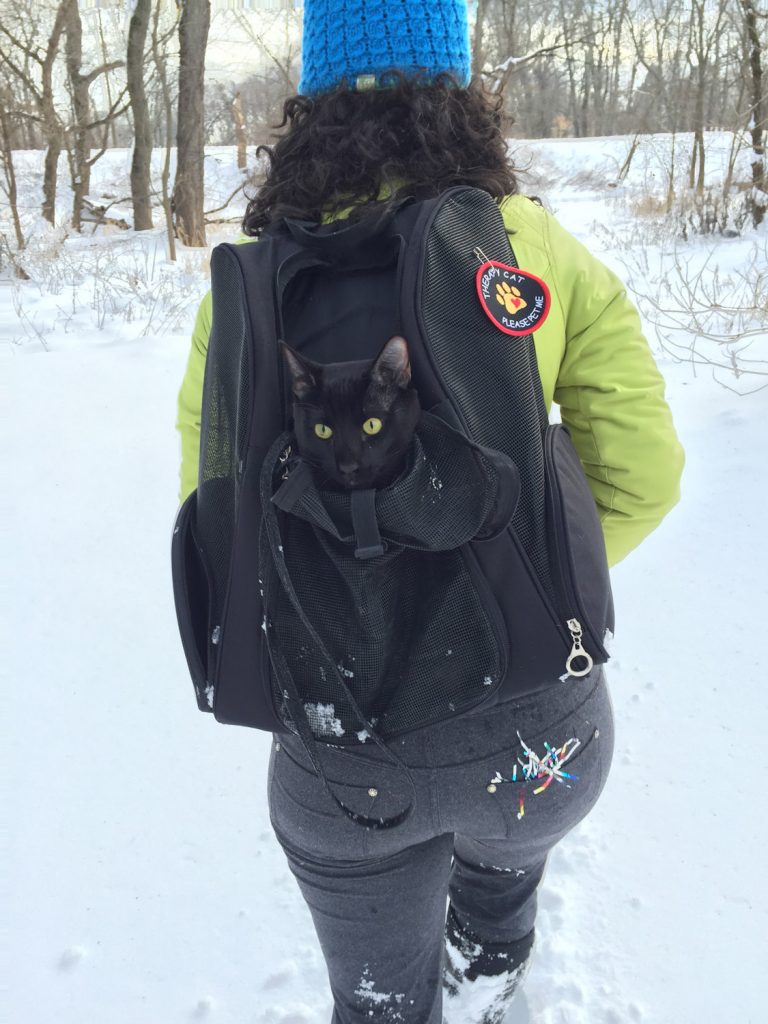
(354, 421)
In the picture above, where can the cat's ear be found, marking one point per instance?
(303, 373)
(392, 367)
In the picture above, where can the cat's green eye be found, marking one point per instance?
(323, 431)
(372, 425)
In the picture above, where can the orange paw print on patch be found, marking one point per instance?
(510, 297)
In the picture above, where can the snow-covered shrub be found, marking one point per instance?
(708, 304)
(690, 213)
(711, 213)
(80, 283)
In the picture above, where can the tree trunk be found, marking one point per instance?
(190, 142)
(102, 40)
(50, 170)
(702, 157)
(566, 22)
(628, 159)
(478, 54)
(240, 137)
(671, 181)
(160, 61)
(735, 147)
(81, 150)
(52, 127)
(142, 146)
(6, 150)
(696, 170)
(758, 115)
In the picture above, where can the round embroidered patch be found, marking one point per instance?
(516, 301)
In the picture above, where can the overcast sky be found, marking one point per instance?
(231, 54)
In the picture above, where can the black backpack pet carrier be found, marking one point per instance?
(477, 576)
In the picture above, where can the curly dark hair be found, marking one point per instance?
(345, 149)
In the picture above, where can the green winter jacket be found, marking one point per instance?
(594, 363)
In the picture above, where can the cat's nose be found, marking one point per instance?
(347, 468)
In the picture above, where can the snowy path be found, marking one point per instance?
(146, 886)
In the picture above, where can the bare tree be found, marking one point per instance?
(240, 136)
(107, 84)
(190, 156)
(142, 146)
(285, 58)
(80, 83)
(758, 116)
(6, 162)
(31, 36)
(160, 40)
(515, 46)
(700, 47)
(478, 31)
(33, 65)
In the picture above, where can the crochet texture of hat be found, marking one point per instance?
(351, 38)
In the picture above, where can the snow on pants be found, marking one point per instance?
(378, 898)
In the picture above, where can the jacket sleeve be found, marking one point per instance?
(191, 400)
(611, 397)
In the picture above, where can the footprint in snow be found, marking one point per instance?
(292, 1015)
(71, 957)
(519, 1012)
(203, 1008)
(566, 992)
(283, 976)
(632, 1012)
(551, 900)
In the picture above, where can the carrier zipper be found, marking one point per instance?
(577, 651)
(566, 594)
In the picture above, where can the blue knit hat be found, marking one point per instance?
(359, 39)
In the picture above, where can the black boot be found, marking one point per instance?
(480, 978)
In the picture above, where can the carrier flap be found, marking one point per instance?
(451, 491)
(407, 634)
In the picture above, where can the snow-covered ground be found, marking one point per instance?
(145, 885)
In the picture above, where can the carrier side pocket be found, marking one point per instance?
(191, 593)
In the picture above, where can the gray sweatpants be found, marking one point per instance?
(378, 898)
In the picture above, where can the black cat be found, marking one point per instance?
(354, 421)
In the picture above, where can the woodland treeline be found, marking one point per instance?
(77, 79)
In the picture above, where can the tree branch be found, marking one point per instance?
(35, 54)
(226, 204)
(20, 74)
(91, 77)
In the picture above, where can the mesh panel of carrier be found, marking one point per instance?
(226, 402)
(408, 630)
(474, 357)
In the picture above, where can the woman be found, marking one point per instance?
(386, 111)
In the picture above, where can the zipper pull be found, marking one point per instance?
(577, 651)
